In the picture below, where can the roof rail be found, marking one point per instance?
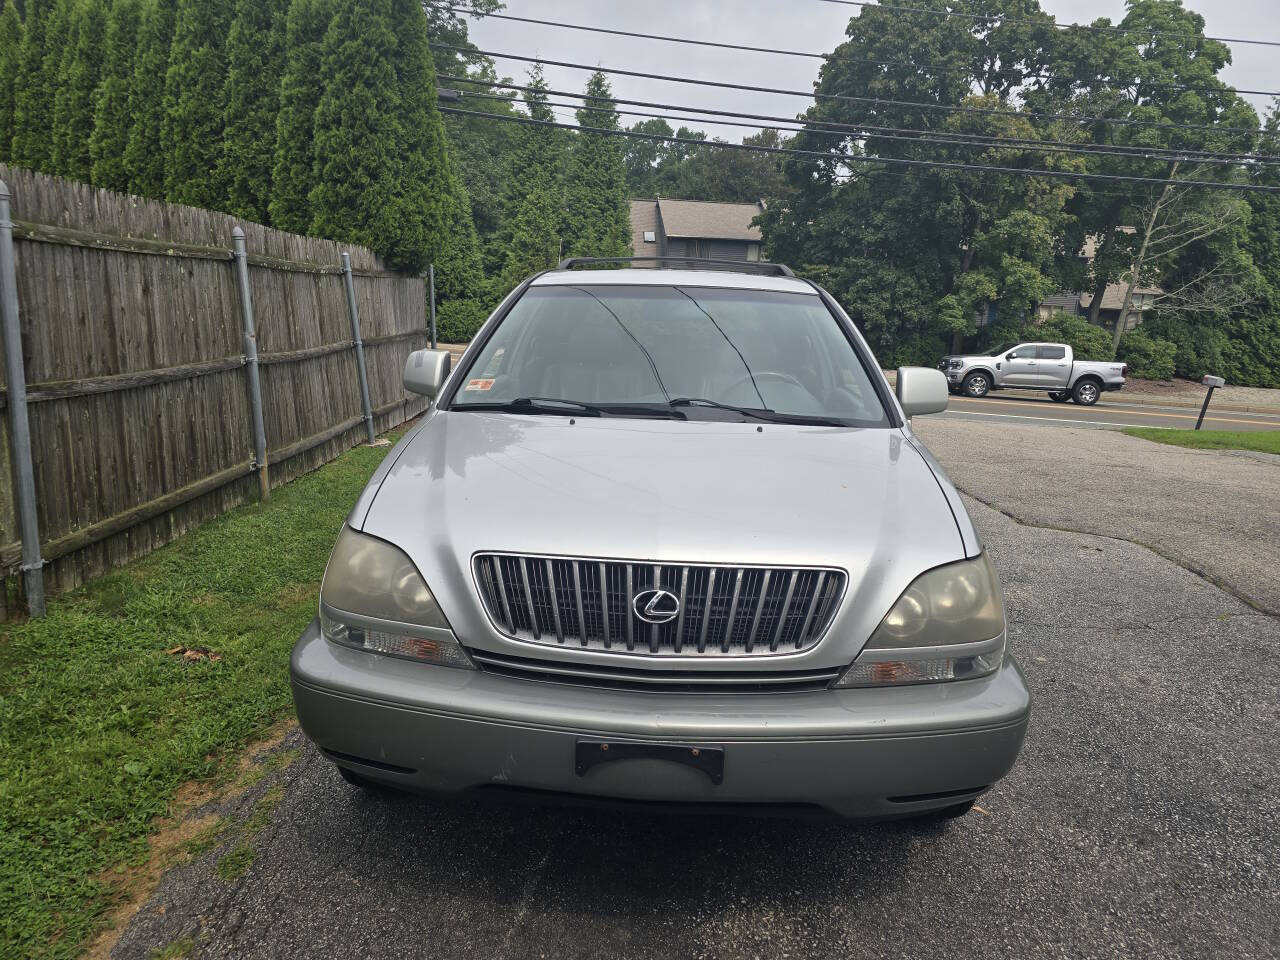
(704, 263)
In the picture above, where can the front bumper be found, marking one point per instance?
(862, 752)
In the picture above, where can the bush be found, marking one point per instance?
(1087, 341)
(1148, 358)
(458, 320)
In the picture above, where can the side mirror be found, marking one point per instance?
(426, 370)
(922, 390)
(1011, 356)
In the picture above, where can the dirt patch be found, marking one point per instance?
(176, 833)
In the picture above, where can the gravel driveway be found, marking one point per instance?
(1143, 820)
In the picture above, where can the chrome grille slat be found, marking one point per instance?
(725, 611)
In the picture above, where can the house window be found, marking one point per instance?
(650, 236)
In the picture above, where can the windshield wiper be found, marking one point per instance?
(761, 413)
(575, 408)
(552, 405)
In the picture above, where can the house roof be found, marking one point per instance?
(644, 217)
(1113, 296)
(705, 220)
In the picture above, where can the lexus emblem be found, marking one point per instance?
(656, 606)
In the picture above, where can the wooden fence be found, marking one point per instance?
(133, 341)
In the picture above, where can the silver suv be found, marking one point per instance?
(666, 535)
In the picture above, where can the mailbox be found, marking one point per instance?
(1209, 381)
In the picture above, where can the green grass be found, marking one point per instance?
(1264, 441)
(99, 726)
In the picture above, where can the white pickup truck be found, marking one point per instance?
(1033, 366)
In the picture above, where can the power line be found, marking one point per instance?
(857, 158)
(814, 56)
(1001, 18)
(874, 101)
(865, 130)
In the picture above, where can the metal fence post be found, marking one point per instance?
(431, 281)
(19, 425)
(349, 282)
(251, 364)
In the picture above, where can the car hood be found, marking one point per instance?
(863, 500)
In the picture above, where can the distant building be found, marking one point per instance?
(695, 228)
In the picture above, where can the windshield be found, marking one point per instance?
(686, 352)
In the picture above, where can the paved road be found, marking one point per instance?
(1143, 820)
(1107, 413)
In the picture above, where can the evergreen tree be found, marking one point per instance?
(527, 237)
(597, 216)
(300, 88)
(80, 72)
(193, 109)
(358, 165)
(10, 59)
(144, 155)
(434, 214)
(33, 95)
(255, 55)
(111, 121)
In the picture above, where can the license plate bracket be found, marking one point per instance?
(589, 754)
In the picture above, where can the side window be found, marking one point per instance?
(1052, 353)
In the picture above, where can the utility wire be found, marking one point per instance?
(1001, 18)
(894, 133)
(874, 101)
(858, 158)
(910, 65)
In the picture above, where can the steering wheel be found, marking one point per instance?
(757, 375)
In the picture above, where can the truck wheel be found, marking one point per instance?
(1086, 393)
(1060, 396)
(977, 384)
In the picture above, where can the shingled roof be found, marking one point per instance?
(705, 220)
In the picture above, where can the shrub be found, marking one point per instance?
(458, 320)
(1148, 358)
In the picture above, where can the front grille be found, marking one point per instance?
(655, 681)
(724, 611)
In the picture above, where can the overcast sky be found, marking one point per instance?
(808, 25)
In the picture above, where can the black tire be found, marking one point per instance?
(977, 384)
(1060, 396)
(1086, 393)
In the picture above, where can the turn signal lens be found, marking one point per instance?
(443, 650)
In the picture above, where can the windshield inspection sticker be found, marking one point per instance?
(479, 385)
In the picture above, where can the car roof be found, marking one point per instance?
(633, 276)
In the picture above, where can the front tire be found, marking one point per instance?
(1086, 393)
(977, 385)
(1060, 396)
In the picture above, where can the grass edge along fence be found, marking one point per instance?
(166, 363)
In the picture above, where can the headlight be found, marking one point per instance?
(373, 598)
(948, 625)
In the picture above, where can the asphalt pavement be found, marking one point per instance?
(1109, 412)
(1142, 820)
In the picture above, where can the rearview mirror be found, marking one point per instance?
(425, 371)
(922, 390)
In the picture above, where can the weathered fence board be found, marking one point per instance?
(133, 342)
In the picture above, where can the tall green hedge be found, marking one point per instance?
(193, 113)
(255, 58)
(10, 57)
(111, 119)
(144, 152)
(34, 93)
(78, 76)
(293, 174)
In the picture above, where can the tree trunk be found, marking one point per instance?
(1095, 305)
(1140, 261)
